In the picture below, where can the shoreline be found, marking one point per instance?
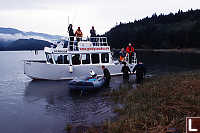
(161, 103)
(184, 50)
(181, 50)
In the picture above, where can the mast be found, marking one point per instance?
(67, 25)
(68, 20)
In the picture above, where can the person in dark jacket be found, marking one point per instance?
(93, 35)
(140, 72)
(106, 76)
(126, 71)
(92, 32)
(71, 36)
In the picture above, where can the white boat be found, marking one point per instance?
(76, 59)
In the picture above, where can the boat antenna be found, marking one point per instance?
(67, 25)
(68, 20)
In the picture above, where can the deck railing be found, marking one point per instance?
(133, 58)
(95, 41)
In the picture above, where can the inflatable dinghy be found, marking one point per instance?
(87, 84)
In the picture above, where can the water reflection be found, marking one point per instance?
(46, 106)
(49, 90)
(167, 62)
(56, 98)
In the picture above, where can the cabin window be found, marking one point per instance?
(76, 59)
(66, 59)
(49, 58)
(61, 59)
(58, 59)
(105, 58)
(85, 58)
(95, 58)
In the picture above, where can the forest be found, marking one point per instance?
(175, 30)
(27, 44)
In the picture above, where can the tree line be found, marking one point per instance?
(175, 30)
(25, 44)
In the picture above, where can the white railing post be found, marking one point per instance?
(96, 41)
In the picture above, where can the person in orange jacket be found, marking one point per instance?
(78, 34)
(129, 50)
(122, 56)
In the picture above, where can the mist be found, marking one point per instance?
(14, 37)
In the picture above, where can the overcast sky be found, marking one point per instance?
(51, 16)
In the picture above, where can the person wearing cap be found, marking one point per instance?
(129, 51)
(106, 76)
(79, 34)
(140, 72)
(126, 71)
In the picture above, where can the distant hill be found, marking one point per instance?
(179, 30)
(14, 39)
(50, 37)
(10, 31)
(28, 44)
(16, 31)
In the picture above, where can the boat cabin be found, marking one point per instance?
(82, 51)
(75, 57)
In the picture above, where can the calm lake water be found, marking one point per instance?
(28, 106)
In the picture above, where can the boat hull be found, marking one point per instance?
(43, 71)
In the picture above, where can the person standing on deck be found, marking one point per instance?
(93, 35)
(106, 76)
(79, 34)
(140, 72)
(122, 55)
(129, 52)
(126, 71)
(71, 36)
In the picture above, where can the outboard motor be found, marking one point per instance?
(93, 74)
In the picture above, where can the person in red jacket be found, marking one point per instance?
(129, 50)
